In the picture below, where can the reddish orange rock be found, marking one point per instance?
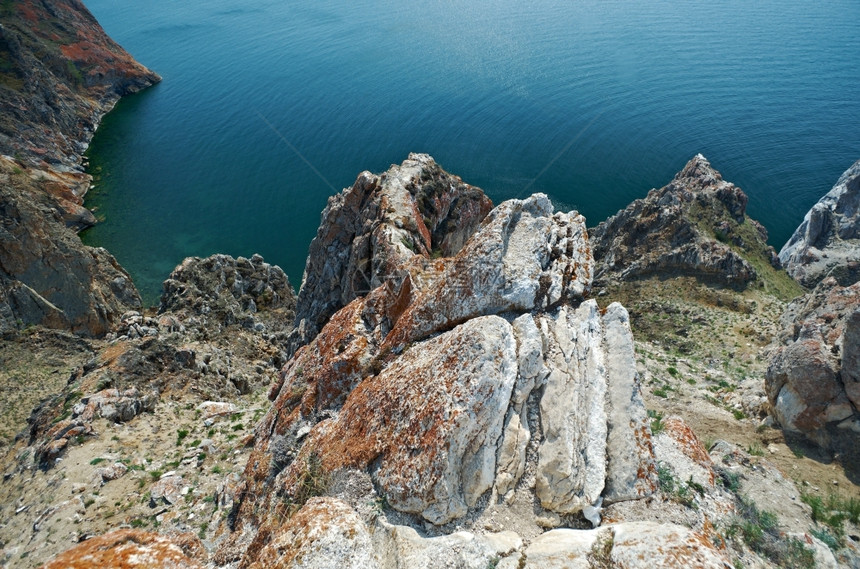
(131, 549)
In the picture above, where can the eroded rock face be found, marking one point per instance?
(827, 243)
(454, 382)
(813, 380)
(221, 291)
(370, 231)
(60, 75)
(688, 227)
(47, 276)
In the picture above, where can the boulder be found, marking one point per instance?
(827, 242)
(325, 534)
(632, 545)
(813, 377)
(132, 549)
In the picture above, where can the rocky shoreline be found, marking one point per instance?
(456, 384)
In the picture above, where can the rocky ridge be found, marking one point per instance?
(827, 242)
(495, 302)
(695, 226)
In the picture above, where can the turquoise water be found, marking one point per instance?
(269, 107)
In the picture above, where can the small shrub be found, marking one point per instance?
(731, 480)
(661, 392)
(657, 425)
(665, 479)
(180, 436)
(826, 538)
(96, 461)
(673, 371)
(755, 450)
(759, 530)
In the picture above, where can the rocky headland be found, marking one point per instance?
(59, 74)
(456, 384)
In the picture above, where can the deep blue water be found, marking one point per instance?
(268, 107)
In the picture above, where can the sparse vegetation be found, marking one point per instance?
(657, 425)
(831, 513)
(760, 532)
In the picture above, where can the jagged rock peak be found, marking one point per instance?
(369, 233)
(695, 225)
(827, 242)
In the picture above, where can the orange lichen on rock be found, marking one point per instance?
(132, 549)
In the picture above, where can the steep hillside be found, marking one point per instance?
(59, 74)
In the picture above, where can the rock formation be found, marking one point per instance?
(46, 275)
(59, 74)
(472, 410)
(813, 380)
(451, 396)
(219, 291)
(482, 373)
(827, 243)
(204, 301)
(369, 234)
(695, 225)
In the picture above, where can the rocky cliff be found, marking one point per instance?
(451, 397)
(813, 381)
(59, 74)
(696, 225)
(827, 242)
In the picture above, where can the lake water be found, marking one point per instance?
(268, 107)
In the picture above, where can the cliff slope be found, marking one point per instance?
(59, 74)
(813, 380)
(827, 242)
